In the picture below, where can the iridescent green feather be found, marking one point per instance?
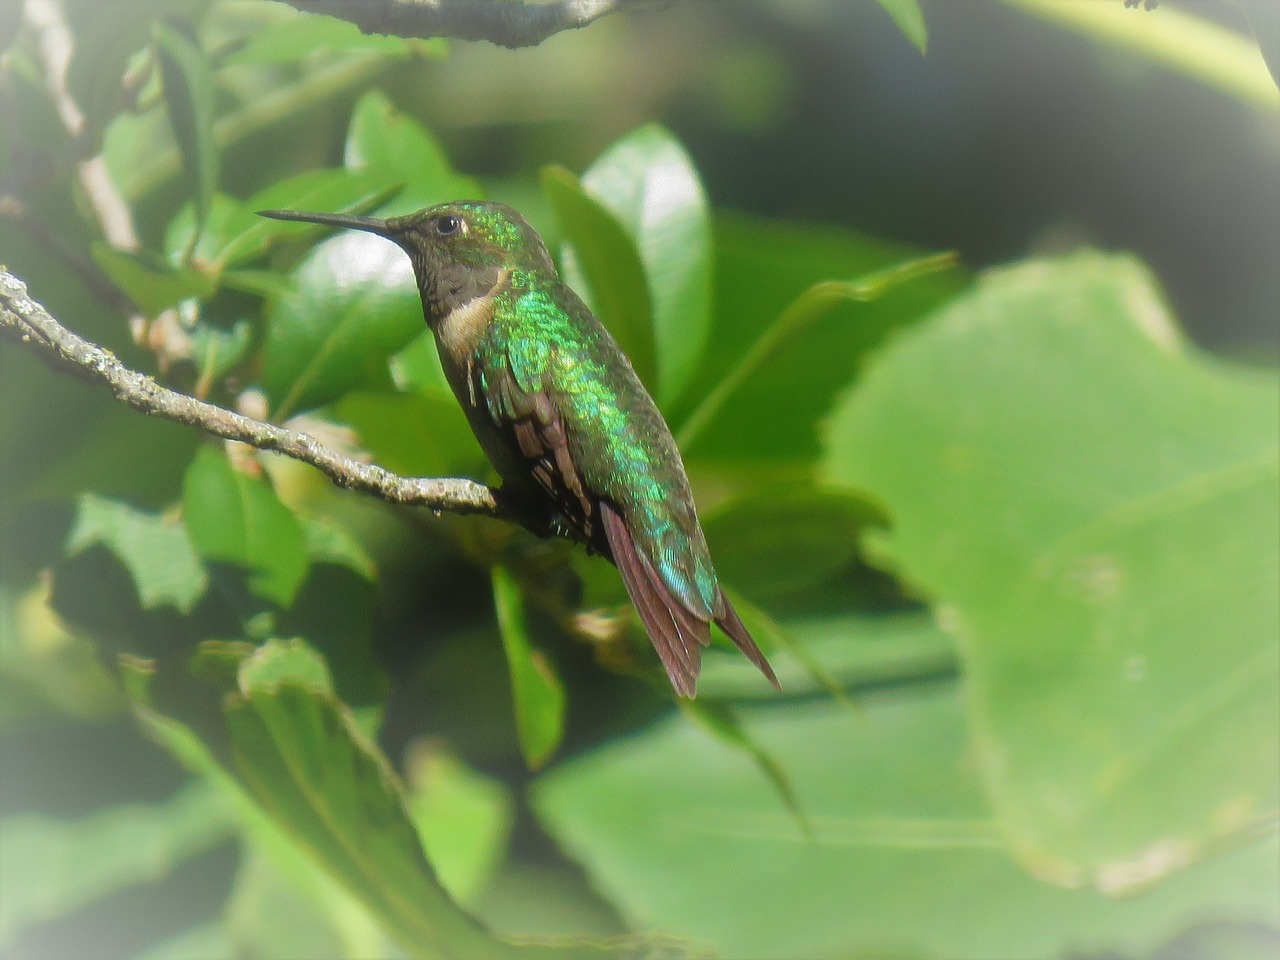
(617, 438)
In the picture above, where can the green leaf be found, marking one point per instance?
(721, 722)
(418, 435)
(210, 941)
(304, 36)
(464, 819)
(189, 97)
(302, 756)
(782, 539)
(786, 340)
(1092, 504)
(233, 232)
(149, 281)
(155, 550)
(604, 265)
(51, 868)
(900, 825)
(355, 303)
(799, 316)
(536, 690)
(269, 915)
(649, 183)
(853, 654)
(906, 14)
(399, 149)
(238, 519)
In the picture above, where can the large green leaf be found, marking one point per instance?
(303, 758)
(235, 518)
(649, 183)
(776, 540)
(50, 868)
(1093, 505)
(905, 858)
(156, 550)
(800, 316)
(604, 265)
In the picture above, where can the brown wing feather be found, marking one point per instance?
(534, 429)
(676, 633)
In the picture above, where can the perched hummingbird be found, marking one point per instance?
(563, 417)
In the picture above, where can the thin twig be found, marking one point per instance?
(24, 320)
(502, 22)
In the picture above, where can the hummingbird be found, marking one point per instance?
(562, 416)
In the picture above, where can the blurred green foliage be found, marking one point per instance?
(1009, 539)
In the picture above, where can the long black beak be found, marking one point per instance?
(383, 228)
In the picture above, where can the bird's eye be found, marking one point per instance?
(448, 225)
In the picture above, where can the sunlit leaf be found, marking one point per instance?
(792, 323)
(354, 304)
(301, 755)
(649, 183)
(420, 435)
(780, 539)
(233, 232)
(1092, 505)
(763, 268)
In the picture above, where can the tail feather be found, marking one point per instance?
(677, 633)
(728, 620)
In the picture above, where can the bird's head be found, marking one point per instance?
(460, 250)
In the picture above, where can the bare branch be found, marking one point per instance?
(24, 320)
(503, 22)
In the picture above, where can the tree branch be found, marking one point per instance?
(24, 320)
(503, 22)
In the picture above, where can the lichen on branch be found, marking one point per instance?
(25, 321)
